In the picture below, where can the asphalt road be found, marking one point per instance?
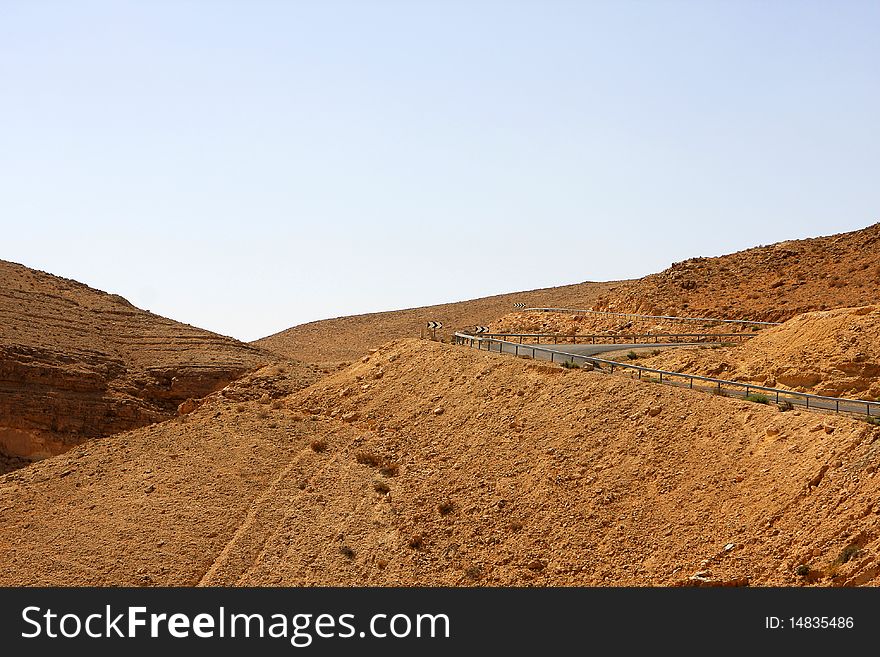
(558, 353)
(585, 349)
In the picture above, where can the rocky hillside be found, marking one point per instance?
(77, 363)
(770, 283)
(597, 324)
(429, 464)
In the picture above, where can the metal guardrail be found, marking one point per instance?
(591, 338)
(744, 322)
(810, 401)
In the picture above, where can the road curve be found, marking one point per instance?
(593, 349)
(564, 352)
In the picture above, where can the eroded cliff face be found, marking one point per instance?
(50, 402)
(77, 363)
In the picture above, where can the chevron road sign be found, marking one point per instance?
(519, 305)
(481, 329)
(433, 326)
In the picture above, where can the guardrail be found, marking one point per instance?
(705, 320)
(635, 338)
(718, 386)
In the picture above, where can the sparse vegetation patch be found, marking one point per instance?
(385, 466)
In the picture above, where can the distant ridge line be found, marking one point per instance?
(747, 322)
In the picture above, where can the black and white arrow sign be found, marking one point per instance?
(435, 325)
(519, 305)
(481, 329)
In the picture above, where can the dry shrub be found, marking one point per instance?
(473, 572)
(368, 458)
(385, 466)
(318, 446)
(389, 469)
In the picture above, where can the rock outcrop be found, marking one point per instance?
(77, 363)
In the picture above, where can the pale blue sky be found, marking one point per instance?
(247, 166)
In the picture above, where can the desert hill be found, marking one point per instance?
(765, 283)
(347, 338)
(77, 363)
(832, 352)
(426, 463)
(770, 283)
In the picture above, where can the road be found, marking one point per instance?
(563, 352)
(583, 349)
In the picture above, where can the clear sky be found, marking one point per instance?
(247, 166)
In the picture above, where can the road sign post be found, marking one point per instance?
(434, 326)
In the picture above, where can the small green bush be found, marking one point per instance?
(631, 355)
(757, 398)
(570, 365)
(850, 551)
